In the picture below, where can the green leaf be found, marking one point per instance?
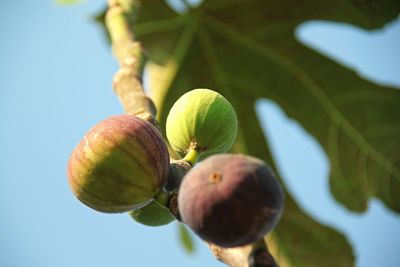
(246, 50)
(185, 238)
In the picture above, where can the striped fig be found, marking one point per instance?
(230, 200)
(200, 123)
(119, 165)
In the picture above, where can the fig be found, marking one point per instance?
(153, 214)
(230, 199)
(200, 123)
(119, 165)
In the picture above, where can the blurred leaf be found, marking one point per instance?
(185, 238)
(247, 50)
(69, 2)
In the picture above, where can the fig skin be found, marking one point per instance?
(153, 214)
(203, 122)
(119, 165)
(231, 200)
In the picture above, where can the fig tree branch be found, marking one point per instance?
(127, 83)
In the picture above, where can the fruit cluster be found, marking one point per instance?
(122, 164)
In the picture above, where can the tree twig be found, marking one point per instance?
(127, 83)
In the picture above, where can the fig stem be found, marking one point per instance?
(192, 156)
(127, 82)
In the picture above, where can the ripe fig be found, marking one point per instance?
(153, 214)
(119, 165)
(230, 200)
(201, 122)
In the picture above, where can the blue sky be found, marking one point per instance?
(55, 82)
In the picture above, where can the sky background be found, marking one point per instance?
(55, 83)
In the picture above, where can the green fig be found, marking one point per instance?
(153, 214)
(200, 123)
(119, 165)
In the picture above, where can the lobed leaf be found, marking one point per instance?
(248, 48)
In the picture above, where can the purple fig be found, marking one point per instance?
(119, 165)
(230, 200)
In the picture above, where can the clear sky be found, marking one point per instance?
(55, 82)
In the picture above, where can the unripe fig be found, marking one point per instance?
(119, 165)
(153, 214)
(203, 122)
(230, 200)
